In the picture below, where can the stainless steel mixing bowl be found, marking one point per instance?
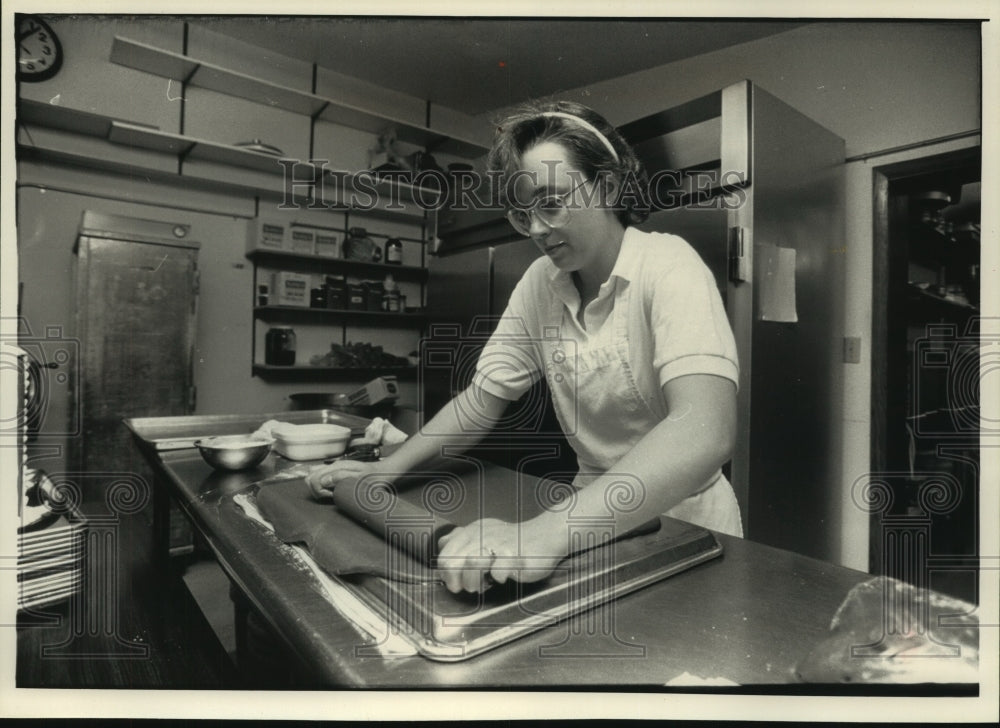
(233, 452)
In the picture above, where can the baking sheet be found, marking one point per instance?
(451, 627)
(446, 626)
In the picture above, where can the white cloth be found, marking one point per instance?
(659, 316)
(382, 432)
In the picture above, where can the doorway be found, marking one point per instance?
(925, 388)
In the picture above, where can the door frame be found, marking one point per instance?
(886, 257)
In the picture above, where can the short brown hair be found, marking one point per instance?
(528, 126)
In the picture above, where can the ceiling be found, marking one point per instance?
(477, 65)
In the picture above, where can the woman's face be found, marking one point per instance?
(586, 241)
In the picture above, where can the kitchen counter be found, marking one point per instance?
(749, 616)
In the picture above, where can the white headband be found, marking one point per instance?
(586, 125)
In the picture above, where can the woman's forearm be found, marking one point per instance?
(462, 422)
(671, 462)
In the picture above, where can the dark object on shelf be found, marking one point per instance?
(336, 287)
(361, 355)
(373, 295)
(279, 347)
(356, 297)
(358, 246)
(319, 297)
(927, 213)
(421, 161)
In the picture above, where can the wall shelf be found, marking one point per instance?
(323, 264)
(304, 314)
(185, 69)
(311, 373)
(138, 136)
(926, 306)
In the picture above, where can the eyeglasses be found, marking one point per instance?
(551, 210)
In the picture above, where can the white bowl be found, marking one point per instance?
(310, 442)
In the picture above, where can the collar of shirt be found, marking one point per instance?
(626, 268)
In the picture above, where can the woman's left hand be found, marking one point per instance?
(498, 550)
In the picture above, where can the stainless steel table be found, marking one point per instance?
(748, 616)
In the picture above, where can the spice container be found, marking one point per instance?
(279, 347)
(390, 298)
(318, 297)
(356, 297)
(373, 295)
(336, 292)
(394, 251)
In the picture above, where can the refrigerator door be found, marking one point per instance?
(136, 308)
(705, 229)
(780, 184)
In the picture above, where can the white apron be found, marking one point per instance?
(604, 414)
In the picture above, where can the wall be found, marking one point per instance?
(876, 85)
(51, 197)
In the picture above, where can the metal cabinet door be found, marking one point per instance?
(136, 313)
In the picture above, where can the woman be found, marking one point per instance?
(630, 332)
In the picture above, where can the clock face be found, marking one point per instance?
(39, 54)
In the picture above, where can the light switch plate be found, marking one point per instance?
(852, 349)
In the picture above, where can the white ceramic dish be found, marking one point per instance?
(310, 442)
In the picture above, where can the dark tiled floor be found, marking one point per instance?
(131, 626)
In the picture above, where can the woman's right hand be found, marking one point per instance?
(322, 479)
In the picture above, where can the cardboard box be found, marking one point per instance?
(327, 245)
(303, 240)
(290, 289)
(267, 235)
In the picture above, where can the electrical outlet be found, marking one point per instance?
(852, 349)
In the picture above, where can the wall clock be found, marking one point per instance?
(39, 53)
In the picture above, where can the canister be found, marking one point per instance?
(279, 346)
(373, 295)
(356, 297)
(394, 251)
(336, 287)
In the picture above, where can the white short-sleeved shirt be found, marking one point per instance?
(659, 316)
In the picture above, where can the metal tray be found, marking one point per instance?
(452, 627)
